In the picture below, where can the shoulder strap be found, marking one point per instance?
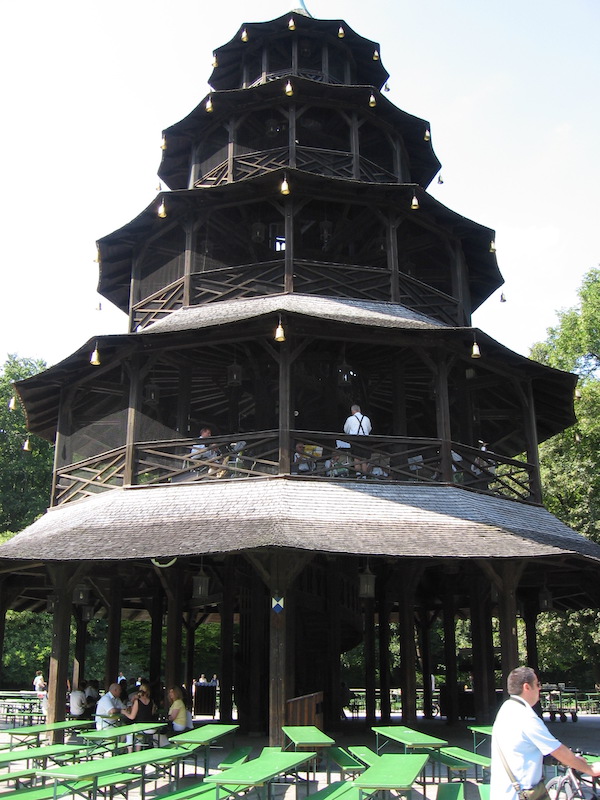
(515, 783)
(360, 427)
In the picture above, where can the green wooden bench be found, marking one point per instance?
(469, 757)
(484, 791)
(46, 792)
(237, 756)
(364, 754)
(17, 776)
(453, 765)
(338, 790)
(344, 761)
(450, 791)
(200, 791)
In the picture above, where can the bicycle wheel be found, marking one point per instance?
(559, 788)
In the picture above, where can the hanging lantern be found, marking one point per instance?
(341, 32)
(81, 595)
(209, 105)
(372, 101)
(375, 55)
(289, 89)
(200, 585)
(162, 209)
(291, 24)
(279, 332)
(244, 36)
(366, 583)
(427, 135)
(414, 203)
(285, 187)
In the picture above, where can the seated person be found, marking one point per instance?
(302, 462)
(200, 450)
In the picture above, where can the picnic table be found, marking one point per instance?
(38, 755)
(259, 772)
(26, 734)
(480, 730)
(204, 737)
(309, 736)
(82, 778)
(407, 737)
(392, 772)
(107, 737)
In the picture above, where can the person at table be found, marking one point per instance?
(177, 710)
(109, 708)
(520, 740)
(78, 702)
(92, 693)
(142, 709)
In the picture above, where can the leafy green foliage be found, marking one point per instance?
(25, 477)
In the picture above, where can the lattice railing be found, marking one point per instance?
(181, 460)
(414, 460)
(249, 280)
(158, 305)
(426, 300)
(90, 476)
(319, 161)
(315, 455)
(341, 280)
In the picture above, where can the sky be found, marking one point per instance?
(510, 90)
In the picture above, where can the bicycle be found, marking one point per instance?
(569, 787)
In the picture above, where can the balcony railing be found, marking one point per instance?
(317, 160)
(314, 455)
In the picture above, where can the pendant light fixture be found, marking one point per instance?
(95, 357)
(289, 89)
(209, 105)
(372, 101)
(162, 209)
(414, 203)
(285, 187)
(279, 332)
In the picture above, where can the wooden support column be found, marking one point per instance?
(530, 614)
(226, 611)
(369, 648)
(442, 410)
(425, 619)
(135, 388)
(451, 690)
(383, 608)
(407, 578)
(285, 391)
(532, 445)
(190, 622)
(190, 238)
(113, 639)
(278, 571)
(59, 655)
(80, 644)
(156, 625)
(332, 694)
(481, 646)
(507, 609)
(288, 217)
(391, 226)
(173, 661)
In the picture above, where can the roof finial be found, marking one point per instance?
(305, 9)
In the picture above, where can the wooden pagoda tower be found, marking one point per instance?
(296, 266)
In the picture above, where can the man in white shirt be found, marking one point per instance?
(78, 705)
(108, 708)
(358, 424)
(522, 739)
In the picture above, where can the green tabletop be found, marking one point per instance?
(38, 753)
(481, 730)
(35, 731)
(205, 734)
(407, 737)
(307, 736)
(259, 771)
(116, 732)
(92, 770)
(397, 772)
(203, 737)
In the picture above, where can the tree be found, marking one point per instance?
(569, 643)
(25, 475)
(570, 462)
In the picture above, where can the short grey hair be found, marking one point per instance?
(518, 678)
(354, 408)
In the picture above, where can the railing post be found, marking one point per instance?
(446, 454)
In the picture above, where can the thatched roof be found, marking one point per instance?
(361, 518)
